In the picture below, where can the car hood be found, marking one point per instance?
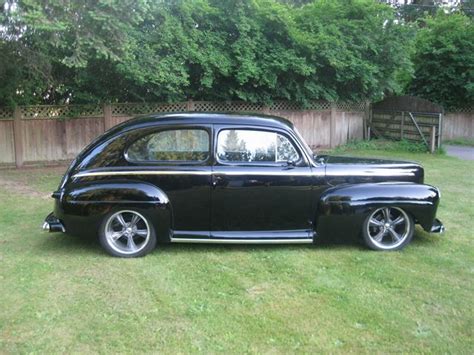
(359, 170)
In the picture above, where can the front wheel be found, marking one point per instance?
(127, 234)
(388, 228)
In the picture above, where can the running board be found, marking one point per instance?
(242, 241)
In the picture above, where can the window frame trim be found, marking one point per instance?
(206, 128)
(301, 162)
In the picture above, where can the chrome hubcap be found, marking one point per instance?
(127, 232)
(388, 227)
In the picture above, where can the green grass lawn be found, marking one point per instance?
(60, 294)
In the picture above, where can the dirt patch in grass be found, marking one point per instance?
(18, 187)
(28, 182)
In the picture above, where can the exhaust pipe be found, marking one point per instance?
(52, 224)
(46, 226)
(437, 227)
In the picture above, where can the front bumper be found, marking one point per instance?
(53, 224)
(437, 226)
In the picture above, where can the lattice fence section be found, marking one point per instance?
(66, 111)
(234, 106)
(350, 106)
(6, 113)
(133, 109)
(468, 109)
(285, 106)
(319, 105)
(129, 109)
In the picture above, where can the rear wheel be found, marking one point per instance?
(127, 234)
(388, 228)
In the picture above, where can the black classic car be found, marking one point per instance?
(228, 178)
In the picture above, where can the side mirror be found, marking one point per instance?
(290, 163)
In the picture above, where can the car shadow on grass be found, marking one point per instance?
(424, 238)
(334, 244)
(75, 245)
(66, 244)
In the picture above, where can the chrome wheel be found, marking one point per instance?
(127, 232)
(389, 227)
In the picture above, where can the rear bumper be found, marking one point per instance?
(53, 224)
(437, 226)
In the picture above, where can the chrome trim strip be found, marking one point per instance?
(187, 172)
(269, 234)
(141, 172)
(242, 241)
(379, 172)
(268, 173)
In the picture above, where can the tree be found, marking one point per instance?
(264, 50)
(355, 48)
(53, 43)
(234, 148)
(444, 60)
(82, 51)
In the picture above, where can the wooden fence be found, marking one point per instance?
(407, 117)
(458, 124)
(31, 135)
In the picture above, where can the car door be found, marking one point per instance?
(178, 161)
(261, 184)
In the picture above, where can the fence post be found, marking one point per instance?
(266, 109)
(190, 105)
(365, 123)
(432, 139)
(332, 126)
(107, 117)
(402, 125)
(18, 137)
(440, 129)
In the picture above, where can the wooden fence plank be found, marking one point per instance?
(7, 142)
(108, 122)
(17, 133)
(458, 125)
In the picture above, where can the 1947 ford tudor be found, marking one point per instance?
(227, 178)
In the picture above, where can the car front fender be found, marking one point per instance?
(343, 209)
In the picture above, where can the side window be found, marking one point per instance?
(238, 145)
(171, 145)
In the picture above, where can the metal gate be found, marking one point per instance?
(408, 118)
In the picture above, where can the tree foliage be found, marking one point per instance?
(86, 51)
(444, 60)
(50, 44)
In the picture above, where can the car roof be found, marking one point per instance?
(207, 118)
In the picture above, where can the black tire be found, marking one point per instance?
(388, 234)
(133, 242)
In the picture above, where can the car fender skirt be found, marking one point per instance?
(343, 209)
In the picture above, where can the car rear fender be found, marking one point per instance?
(343, 209)
(94, 199)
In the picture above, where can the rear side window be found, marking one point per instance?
(254, 146)
(171, 145)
